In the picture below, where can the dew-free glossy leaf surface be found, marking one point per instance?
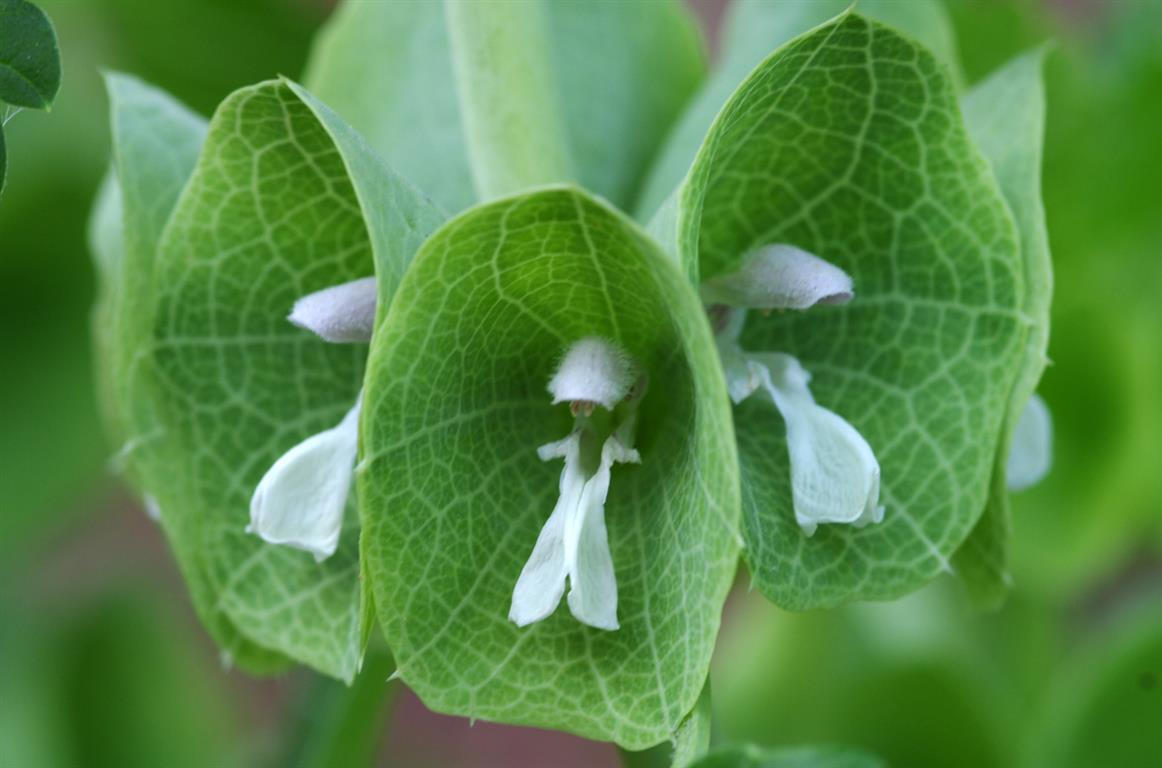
(453, 495)
(274, 210)
(621, 73)
(30, 63)
(1006, 117)
(848, 142)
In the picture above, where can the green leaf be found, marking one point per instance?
(752, 30)
(3, 161)
(453, 495)
(624, 71)
(751, 756)
(30, 63)
(1006, 116)
(848, 142)
(285, 200)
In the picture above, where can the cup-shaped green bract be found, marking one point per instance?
(285, 200)
(848, 142)
(453, 495)
(156, 142)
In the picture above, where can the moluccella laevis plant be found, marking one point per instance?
(512, 329)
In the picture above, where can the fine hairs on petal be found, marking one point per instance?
(341, 314)
(593, 370)
(780, 276)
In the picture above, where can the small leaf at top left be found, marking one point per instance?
(30, 62)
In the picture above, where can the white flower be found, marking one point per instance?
(573, 544)
(835, 477)
(300, 500)
(780, 277)
(1031, 452)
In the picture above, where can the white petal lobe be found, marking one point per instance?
(1031, 454)
(593, 585)
(542, 580)
(300, 500)
(780, 277)
(835, 477)
(593, 370)
(341, 314)
(573, 544)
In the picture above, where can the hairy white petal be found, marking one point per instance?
(593, 370)
(835, 477)
(780, 277)
(300, 500)
(1031, 454)
(340, 314)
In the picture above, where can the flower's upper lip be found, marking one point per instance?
(780, 276)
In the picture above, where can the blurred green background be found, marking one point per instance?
(102, 663)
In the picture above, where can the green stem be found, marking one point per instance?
(345, 725)
(502, 60)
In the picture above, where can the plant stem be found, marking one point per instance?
(345, 726)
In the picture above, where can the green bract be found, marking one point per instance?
(155, 145)
(752, 30)
(1006, 116)
(847, 142)
(452, 493)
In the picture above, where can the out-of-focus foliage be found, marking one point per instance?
(110, 686)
